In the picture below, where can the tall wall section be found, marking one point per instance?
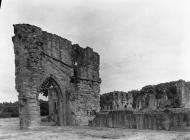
(40, 56)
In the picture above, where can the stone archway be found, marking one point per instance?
(41, 56)
(51, 88)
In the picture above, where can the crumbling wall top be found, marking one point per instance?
(25, 28)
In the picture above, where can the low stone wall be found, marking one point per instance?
(170, 119)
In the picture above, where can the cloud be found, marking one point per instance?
(139, 42)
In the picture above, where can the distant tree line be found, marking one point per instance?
(11, 109)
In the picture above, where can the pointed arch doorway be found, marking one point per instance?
(52, 90)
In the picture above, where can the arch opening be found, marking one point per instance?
(50, 90)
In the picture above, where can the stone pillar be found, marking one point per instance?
(29, 109)
(154, 119)
(137, 121)
(152, 102)
(181, 93)
(166, 122)
(29, 112)
(27, 69)
(141, 121)
(109, 121)
(61, 111)
(50, 104)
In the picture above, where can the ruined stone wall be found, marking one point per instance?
(39, 56)
(186, 95)
(165, 95)
(161, 107)
(116, 100)
(86, 81)
(156, 120)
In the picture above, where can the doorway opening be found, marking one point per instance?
(50, 102)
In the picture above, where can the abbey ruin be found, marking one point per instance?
(69, 75)
(48, 64)
(165, 106)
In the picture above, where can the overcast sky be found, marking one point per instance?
(140, 42)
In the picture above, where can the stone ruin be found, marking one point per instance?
(69, 75)
(166, 95)
(164, 106)
(50, 65)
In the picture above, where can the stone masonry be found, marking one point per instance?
(163, 106)
(43, 61)
(174, 94)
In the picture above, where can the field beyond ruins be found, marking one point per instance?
(9, 130)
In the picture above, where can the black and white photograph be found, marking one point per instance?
(95, 70)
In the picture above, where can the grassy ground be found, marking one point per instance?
(9, 129)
